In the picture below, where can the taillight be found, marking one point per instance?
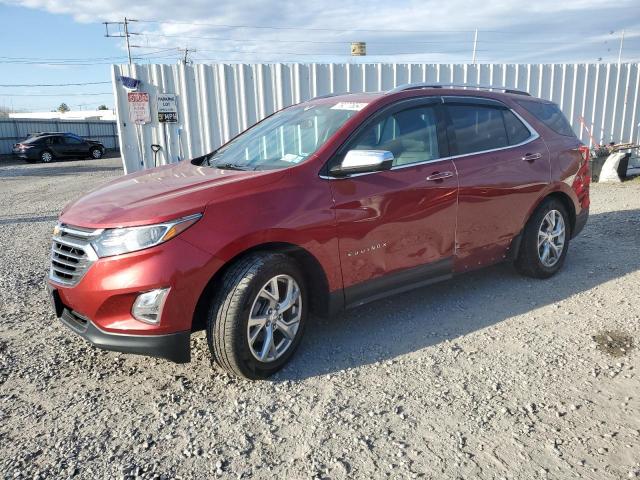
(583, 177)
(584, 151)
(585, 171)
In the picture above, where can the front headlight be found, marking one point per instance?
(116, 241)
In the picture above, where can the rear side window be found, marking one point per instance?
(516, 131)
(477, 128)
(72, 140)
(550, 115)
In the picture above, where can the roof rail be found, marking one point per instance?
(417, 86)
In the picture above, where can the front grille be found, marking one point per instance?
(71, 254)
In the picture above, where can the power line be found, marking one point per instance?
(343, 29)
(85, 59)
(343, 42)
(335, 54)
(51, 84)
(53, 94)
(369, 42)
(74, 64)
(264, 27)
(298, 40)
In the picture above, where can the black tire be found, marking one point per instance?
(227, 322)
(46, 156)
(95, 151)
(528, 261)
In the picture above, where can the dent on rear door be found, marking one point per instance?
(497, 190)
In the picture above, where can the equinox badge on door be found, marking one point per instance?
(377, 246)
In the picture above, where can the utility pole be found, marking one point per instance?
(187, 51)
(126, 35)
(620, 51)
(475, 46)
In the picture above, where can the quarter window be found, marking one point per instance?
(411, 135)
(477, 128)
(550, 115)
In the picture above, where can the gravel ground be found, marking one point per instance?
(490, 375)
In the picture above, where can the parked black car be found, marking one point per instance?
(48, 146)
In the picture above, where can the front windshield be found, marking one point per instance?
(287, 138)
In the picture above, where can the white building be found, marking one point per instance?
(109, 115)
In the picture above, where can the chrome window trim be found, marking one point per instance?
(534, 135)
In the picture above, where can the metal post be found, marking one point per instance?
(126, 34)
(475, 46)
(621, 44)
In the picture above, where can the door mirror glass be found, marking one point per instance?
(363, 161)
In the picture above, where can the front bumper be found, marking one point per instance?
(98, 307)
(173, 346)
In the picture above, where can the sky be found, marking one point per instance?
(56, 42)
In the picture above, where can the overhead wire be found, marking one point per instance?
(52, 84)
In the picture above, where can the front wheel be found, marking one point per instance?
(545, 241)
(257, 319)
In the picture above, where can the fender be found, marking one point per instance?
(567, 193)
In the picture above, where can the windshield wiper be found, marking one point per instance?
(229, 166)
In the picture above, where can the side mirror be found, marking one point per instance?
(363, 161)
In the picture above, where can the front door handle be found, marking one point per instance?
(530, 157)
(439, 176)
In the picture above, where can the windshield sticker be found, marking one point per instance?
(356, 106)
(292, 158)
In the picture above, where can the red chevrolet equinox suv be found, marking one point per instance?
(322, 206)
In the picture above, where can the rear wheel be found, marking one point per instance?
(545, 241)
(256, 320)
(96, 153)
(46, 156)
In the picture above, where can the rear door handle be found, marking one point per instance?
(530, 157)
(439, 176)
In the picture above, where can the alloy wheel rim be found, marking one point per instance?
(97, 154)
(46, 157)
(274, 318)
(551, 237)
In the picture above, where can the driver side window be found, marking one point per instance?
(411, 135)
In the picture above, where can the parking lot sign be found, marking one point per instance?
(167, 108)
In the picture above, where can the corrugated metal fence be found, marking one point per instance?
(215, 102)
(13, 130)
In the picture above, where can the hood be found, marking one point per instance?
(160, 194)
